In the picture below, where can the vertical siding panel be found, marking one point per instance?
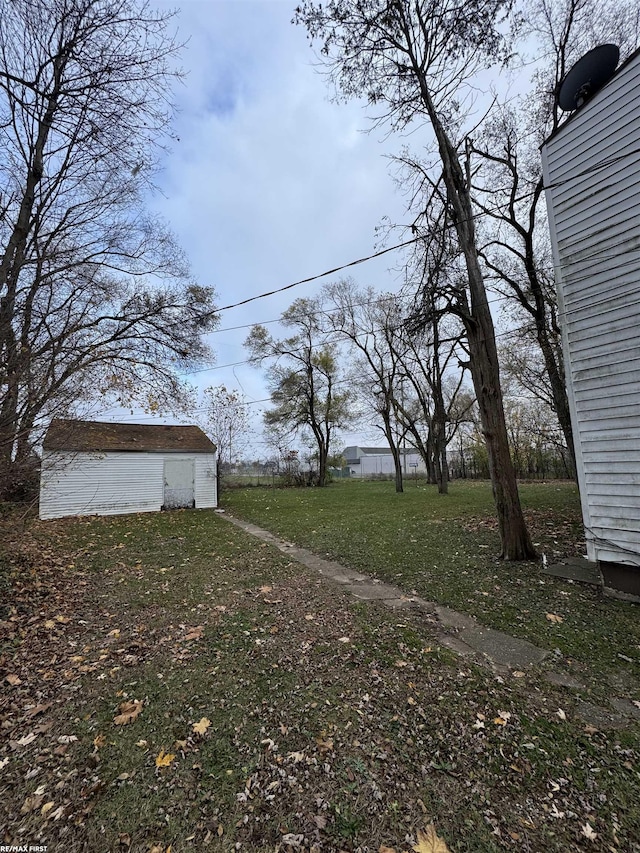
(592, 174)
(115, 483)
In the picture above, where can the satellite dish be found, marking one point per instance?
(587, 76)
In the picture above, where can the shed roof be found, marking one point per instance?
(97, 436)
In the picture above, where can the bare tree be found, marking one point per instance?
(303, 375)
(371, 323)
(413, 58)
(226, 421)
(95, 296)
(507, 171)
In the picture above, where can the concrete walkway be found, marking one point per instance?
(457, 631)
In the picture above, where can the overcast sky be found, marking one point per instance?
(270, 181)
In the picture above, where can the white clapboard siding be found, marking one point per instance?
(592, 175)
(115, 483)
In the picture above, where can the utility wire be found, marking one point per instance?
(319, 275)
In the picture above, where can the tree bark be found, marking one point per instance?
(485, 372)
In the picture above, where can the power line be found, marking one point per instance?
(319, 275)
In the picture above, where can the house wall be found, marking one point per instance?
(116, 483)
(592, 175)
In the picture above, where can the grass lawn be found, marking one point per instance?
(443, 547)
(169, 681)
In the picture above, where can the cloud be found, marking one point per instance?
(271, 181)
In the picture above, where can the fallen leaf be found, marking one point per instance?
(560, 713)
(383, 849)
(67, 738)
(429, 842)
(590, 730)
(195, 633)
(99, 741)
(589, 832)
(201, 727)
(31, 804)
(518, 673)
(553, 617)
(220, 830)
(265, 589)
(129, 711)
(38, 709)
(164, 759)
(14, 680)
(49, 624)
(4, 762)
(27, 739)
(47, 807)
(62, 619)
(344, 639)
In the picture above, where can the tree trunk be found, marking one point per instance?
(485, 372)
(557, 380)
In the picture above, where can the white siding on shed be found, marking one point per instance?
(115, 483)
(592, 174)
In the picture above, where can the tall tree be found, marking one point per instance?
(226, 421)
(371, 323)
(303, 375)
(507, 183)
(95, 296)
(413, 58)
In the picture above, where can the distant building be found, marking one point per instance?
(592, 179)
(93, 468)
(368, 461)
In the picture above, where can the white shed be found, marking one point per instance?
(592, 179)
(94, 468)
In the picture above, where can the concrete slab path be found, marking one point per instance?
(457, 631)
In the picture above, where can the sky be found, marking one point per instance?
(270, 181)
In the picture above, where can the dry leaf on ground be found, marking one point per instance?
(164, 759)
(129, 711)
(201, 727)
(195, 633)
(429, 842)
(553, 617)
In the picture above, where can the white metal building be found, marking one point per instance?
(93, 468)
(592, 179)
(369, 461)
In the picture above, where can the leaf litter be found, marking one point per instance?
(318, 746)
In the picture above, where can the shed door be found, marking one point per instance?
(178, 483)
